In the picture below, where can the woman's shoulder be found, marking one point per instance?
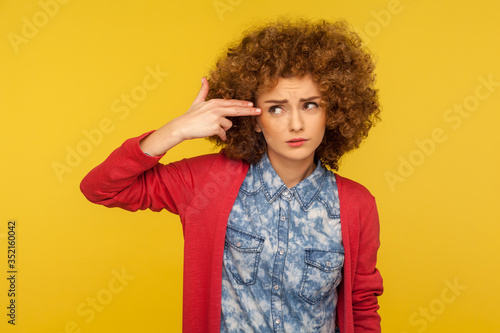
(216, 160)
(215, 164)
(352, 188)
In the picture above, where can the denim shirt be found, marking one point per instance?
(283, 254)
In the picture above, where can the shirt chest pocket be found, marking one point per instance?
(242, 254)
(322, 274)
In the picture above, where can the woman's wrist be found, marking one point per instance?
(160, 141)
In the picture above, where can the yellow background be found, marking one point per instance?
(439, 219)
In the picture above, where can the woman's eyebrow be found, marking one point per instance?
(308, 99)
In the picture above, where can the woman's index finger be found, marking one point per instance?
(235, 102)
(241, 111)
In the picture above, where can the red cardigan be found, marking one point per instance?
(202, 191)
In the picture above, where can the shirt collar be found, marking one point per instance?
(305, 191)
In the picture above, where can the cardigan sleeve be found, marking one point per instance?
(132, 180)
(367, 285)
(361, 283)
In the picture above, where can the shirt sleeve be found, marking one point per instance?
(368, 283)
(132, 180)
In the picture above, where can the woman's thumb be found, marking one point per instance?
(202, 94)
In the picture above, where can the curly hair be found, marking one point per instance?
(331, 52)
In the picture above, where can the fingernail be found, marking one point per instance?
(258, 110)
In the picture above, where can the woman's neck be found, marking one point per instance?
(292, 172)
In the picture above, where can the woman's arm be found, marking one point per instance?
(132, 178)
(367, 284)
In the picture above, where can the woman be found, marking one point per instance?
(274, 241)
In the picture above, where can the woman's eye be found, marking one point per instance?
(310, 105)
(276, 109)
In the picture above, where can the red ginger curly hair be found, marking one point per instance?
(334, 56)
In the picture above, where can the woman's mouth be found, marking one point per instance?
(296, 142)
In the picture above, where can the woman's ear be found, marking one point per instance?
(257, 127)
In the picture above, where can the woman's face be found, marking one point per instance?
(292, 122)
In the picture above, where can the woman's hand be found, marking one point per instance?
(203, 119)
(207, 118)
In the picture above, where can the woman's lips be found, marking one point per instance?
(296, 142)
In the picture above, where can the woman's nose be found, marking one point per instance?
(296, 121)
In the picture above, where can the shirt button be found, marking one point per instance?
(328, 263)
(238, 244)
(281, 251)
(277, 321)
(283, 218)
(276, 287)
